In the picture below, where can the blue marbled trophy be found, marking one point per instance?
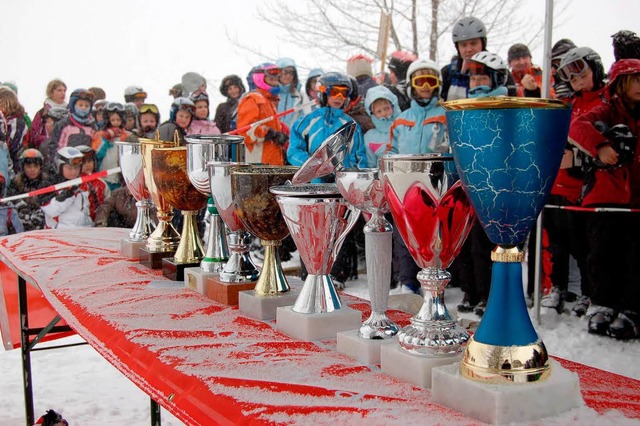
(507, 152)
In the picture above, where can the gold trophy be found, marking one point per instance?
(164, 240)
(169, 167)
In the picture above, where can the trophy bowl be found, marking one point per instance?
(130, 158)
(433, 215)
(239, 268)
(169, 167)
(165, 238)
(258, 210)
(318, 219)
(202, 149)
(363, 190)
(507, 152)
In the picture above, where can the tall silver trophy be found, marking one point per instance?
(362, 189)
(130, 158)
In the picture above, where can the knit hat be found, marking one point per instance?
(518, 51)
(359, 65)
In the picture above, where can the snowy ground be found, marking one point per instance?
(87, 390)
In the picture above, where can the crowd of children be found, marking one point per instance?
(398, 113)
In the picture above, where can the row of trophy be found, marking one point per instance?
(506, 152)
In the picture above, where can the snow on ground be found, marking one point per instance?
(87, 390)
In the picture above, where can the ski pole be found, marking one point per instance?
(594, 209)
(266, 120)
(62, 185)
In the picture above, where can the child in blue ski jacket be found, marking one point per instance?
(382, 105)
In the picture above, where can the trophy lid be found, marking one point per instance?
(328, 157)
(214, 139)
(308, 190)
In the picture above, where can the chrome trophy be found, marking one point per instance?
(433, 215)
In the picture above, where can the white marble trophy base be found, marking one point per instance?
(506, 403)
(309, 327)
(129, 248)
(264, 307)
(409, 368)
(196, 279)
(366, 351)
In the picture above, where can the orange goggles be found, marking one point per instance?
(76, 161)
(335, 91)
(275, 72)
(425, 81)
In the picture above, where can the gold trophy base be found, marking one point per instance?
(366, 351)
(505, 364)
(153, 259)
(508, 403)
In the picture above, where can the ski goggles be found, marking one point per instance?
(335, 91)
(186, 107)
(575, 68)
(476, 68)
(145, 108)
(274, 72)
(425, 81)
(114, 106)
(75, 161)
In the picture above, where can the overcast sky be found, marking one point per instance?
(152, 43)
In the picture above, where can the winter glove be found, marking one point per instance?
(279, 138)
(66, 193)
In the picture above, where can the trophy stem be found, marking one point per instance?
(165, 237)
(506, 347)
(144, 226)
(318, 295)
(378, 245)
(190, 248)
(217, 253)
(239, 268)
(272, 280)
(433, 331)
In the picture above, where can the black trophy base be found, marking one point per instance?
(175, 271)
(153, 259)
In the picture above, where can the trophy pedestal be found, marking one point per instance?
(409, 368)
(367, 351)
(130, 248)
(195, 279)
(507, 403)
(175, 271)
(153, 259)
(309, 327)
(225, 293)
(264, 307)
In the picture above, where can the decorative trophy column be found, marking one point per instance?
(508, 152)
(433, 215)
(130, 158)
(318, 219)
(202, 149)
(170, 175)
(239, 273)
(258, 210)
(165, 239)
(362, 189)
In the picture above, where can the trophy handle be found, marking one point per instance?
(354, 214)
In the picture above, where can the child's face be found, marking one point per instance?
(233, 91)
(336, 102)
(148, 122)
(99, 115)
(130, 122)
(139, 100)
(633, 89)
(88, 166)
(48, 124)
(286, 77)
(202, 110)
(479, 80)
(468, 48)
(115, 120)
(32, 170)
(70, 171)
(582, 82)
(381, 108)
(183, 118)
(426, 91)
(83, 104)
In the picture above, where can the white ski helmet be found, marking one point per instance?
(68, 155)
(494, 66)
(132, 92)
(422, 64)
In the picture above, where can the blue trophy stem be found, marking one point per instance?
(506, 320)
